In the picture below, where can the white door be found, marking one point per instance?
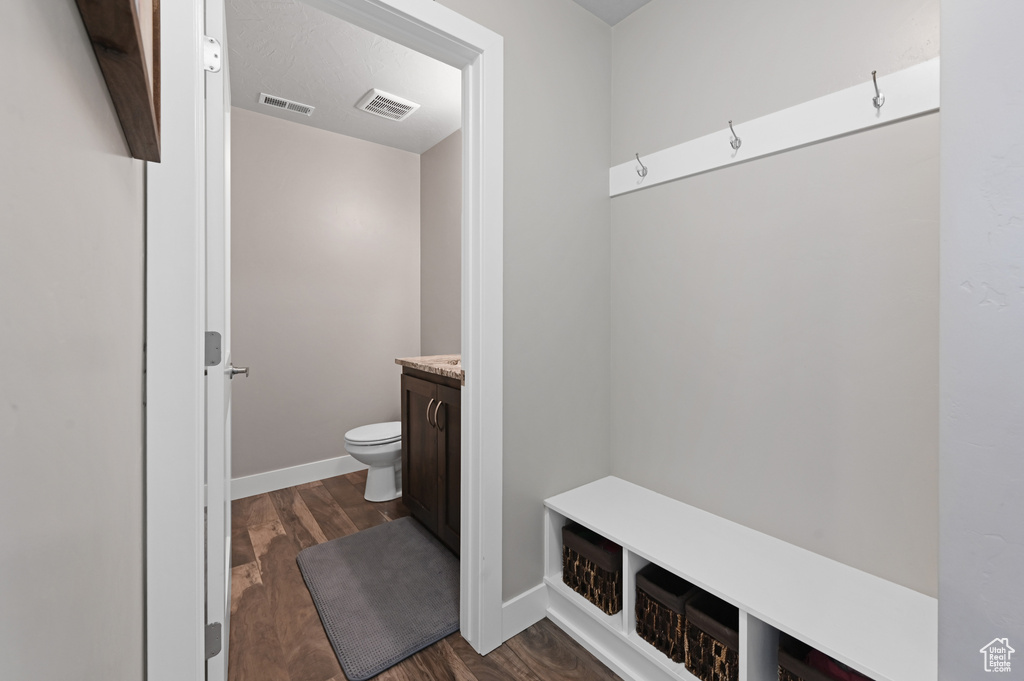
(218, 321)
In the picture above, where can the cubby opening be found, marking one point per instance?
(799, 661)
(659, 612)
(592, 567)
(554, 575)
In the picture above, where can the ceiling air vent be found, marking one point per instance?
(387, 105)
(287, 104)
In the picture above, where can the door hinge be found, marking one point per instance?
(213, 645)
(212, 348)
(211, 54)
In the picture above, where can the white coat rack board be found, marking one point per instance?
(907, 94)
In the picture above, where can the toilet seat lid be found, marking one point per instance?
(375, 433)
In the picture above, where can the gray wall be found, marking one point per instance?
(441, 247)
(981, 595)
(775, 324)
(325, 287)
(683, 69)
(556, 262)
(71, 282)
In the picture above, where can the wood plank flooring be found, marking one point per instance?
(276, 633)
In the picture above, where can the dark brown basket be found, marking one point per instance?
(793, 666)
(661, 610)
(712, 639)
(592, 567)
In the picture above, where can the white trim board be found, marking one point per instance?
(909, 93)
(607, 645)
(523, 611)
(261, 483)
(631, 657)
(548, 600)
(635, 659)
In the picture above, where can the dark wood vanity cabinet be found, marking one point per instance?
(431, 452)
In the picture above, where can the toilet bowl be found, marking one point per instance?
(379, 446)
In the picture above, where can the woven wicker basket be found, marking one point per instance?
(661, 610)
(712, 639)
(592, 567)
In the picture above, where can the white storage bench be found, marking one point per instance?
(886, 631)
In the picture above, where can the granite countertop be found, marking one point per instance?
(442, 365)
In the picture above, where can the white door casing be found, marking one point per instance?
(218, 321)
(177, 318)
(436, 31)
(175, 386)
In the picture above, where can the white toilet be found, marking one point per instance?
(379, 446)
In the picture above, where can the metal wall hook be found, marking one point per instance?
(879, 99)
(735, 141)
(642, 170)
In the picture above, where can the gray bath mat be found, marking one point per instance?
(382, 594)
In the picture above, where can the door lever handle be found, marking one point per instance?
(234, 371)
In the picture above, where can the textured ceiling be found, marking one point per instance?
(291, 50)
(612, 11)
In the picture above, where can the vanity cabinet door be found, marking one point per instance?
(419, 451)
(449, 466)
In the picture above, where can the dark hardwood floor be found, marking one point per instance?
(276, 633)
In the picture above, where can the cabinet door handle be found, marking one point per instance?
(428, 413)
(436, 424)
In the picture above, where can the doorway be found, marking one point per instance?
(176, 311)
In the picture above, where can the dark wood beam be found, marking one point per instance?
(114, 30)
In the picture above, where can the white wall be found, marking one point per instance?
(981, 596)
(325, 287)
(775, 324)
(71, 340)
(556, 262)
(441, 247)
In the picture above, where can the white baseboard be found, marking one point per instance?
(262, 483)
(610, 647)
(523, 611)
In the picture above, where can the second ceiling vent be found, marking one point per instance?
(287, 104)
(386, 105)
